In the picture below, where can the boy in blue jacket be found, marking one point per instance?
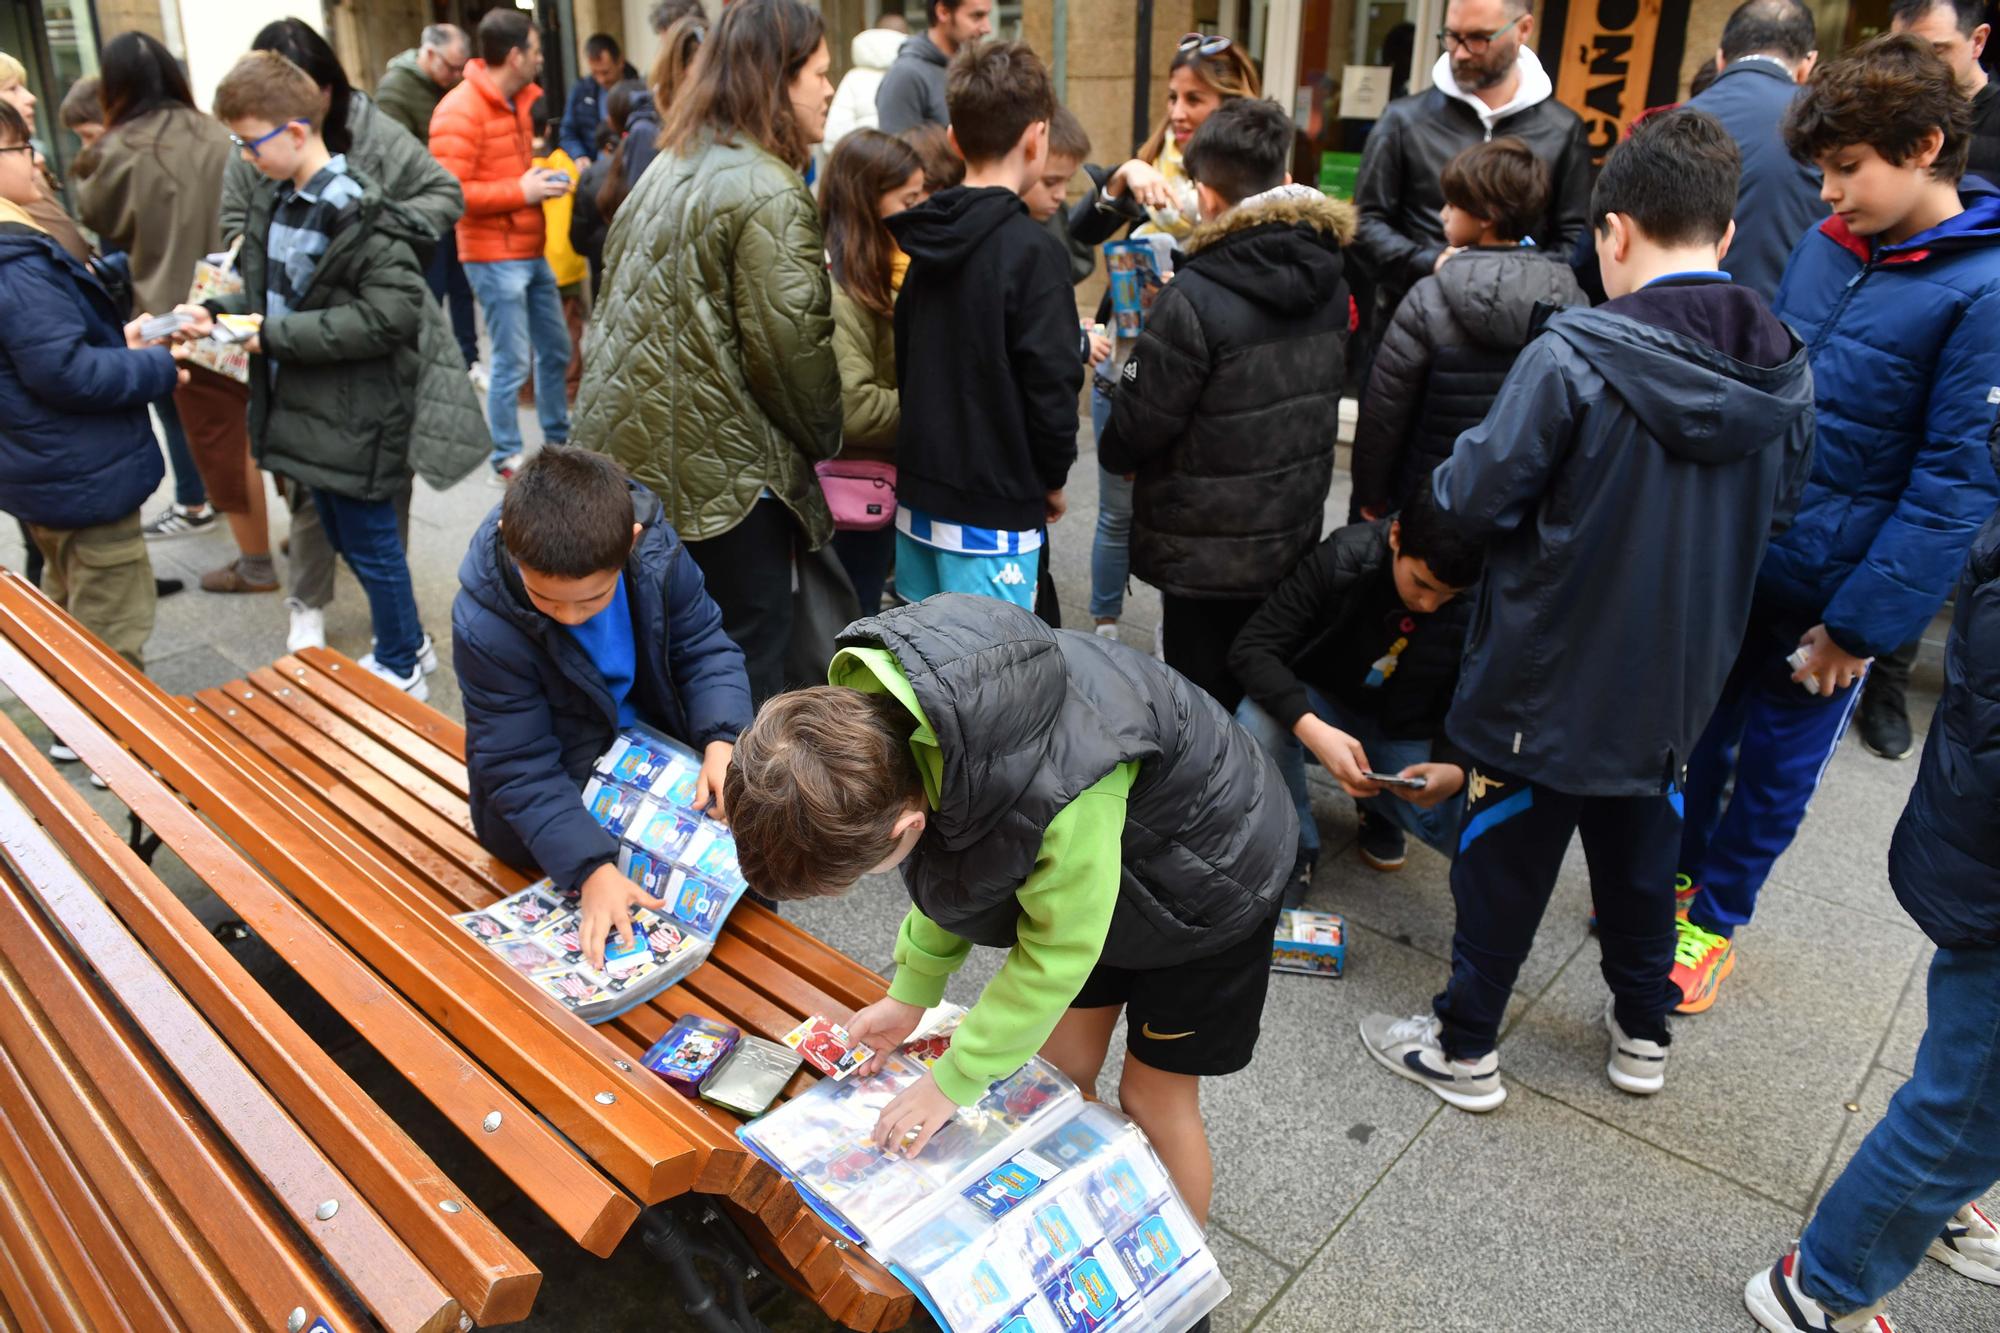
(77, 452)
(1898, 298)
(1625, 483)
(579, 612)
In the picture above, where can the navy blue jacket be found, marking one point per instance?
(1777, 198)
(585, 112)
(1945, 858)
(1905, 346)
(76, 446)
(537, 713)
(1626, 483)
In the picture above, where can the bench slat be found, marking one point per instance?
(588, 1208)
(481, 1268)
(176, 1255)
(176, 1140)
(557, 1064)
(90, 1279)
(27, 1136)
(424, 732)
(51, 1275)
(243, 1237)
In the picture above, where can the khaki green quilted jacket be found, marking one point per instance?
(709, 369)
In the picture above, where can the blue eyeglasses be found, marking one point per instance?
(251, 146)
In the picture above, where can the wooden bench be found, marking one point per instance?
(328, 811)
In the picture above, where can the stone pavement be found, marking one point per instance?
(1346, 1197)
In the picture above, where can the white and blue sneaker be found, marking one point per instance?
(427, 658)
(1410, 1047)
(1970, 1244)
(1777, 1302)
(1637, 1066)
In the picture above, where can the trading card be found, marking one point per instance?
(531, 910)
(526, 956)
(1089, 1294)
(711, 852)
(486, 926)
(751, 1077)
(1008, 1184)
(697, 902)
(1071, 1143)
(564, 940)
(611, 805)
(827, 1047)
(660, 829)
(674, 781)
(1153, 1249)
(632, 762)
(617, 952)
(573, 987)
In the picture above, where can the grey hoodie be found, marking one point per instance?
(912, 92)
(1626, 483)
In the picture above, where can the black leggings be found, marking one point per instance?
(748, 570)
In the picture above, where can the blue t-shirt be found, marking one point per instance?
(606, 638)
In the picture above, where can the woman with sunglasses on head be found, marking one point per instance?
(1152, 195)
(149, 187)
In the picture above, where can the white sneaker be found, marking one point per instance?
(477, 374)
(1777, 1302)
(1970, 1244)
(62, 754)
(1107, 631)
(308, 626)
(413, 685)
(427, 658)
(1410, 1047)
(1638, 1067)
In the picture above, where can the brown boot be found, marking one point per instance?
(230, 578)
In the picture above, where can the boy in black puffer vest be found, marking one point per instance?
(1048, 792)
(1228, 407)
(1456, 334)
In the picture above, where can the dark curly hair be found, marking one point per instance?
(1890, 92)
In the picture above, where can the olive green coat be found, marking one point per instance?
(865, 344)
(708, 366)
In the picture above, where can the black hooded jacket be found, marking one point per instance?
(986, 357)
(1626, 484)
(1229, 405)
(1442, 361)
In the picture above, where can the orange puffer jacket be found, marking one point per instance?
(487, 144)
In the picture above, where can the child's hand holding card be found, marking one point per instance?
(827, 1047)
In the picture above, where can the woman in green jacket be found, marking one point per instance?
(708, 370)
(870, 176)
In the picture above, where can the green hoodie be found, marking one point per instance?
(1066, 905)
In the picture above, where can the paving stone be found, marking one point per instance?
(1933, 1299)
(1755, 1087)
(1536, 1217)
(1254, 1278)
(1842, 852)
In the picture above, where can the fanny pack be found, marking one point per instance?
(862, 495)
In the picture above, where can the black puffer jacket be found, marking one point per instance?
(1318, 622)
(1230, 402)
(1945, 858)
(1454, 338)
(1028, 717)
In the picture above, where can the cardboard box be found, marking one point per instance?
(1311, 943)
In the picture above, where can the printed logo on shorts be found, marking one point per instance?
(1010, 575)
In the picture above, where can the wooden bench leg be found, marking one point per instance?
(669, 1237)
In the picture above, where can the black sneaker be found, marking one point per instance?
(1382, 844)
(1301, 882)
(1885, 726)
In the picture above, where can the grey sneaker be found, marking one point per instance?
(179, 522)
(1410, 1047)
(1638, 1067)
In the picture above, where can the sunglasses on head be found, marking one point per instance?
(1206, 44)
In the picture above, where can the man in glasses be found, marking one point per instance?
(1486, 83)
(409, 92)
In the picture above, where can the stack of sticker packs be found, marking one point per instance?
(643, 793)
(1032, 1212)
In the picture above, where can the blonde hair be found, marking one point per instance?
(12, 71)
(1228, 71)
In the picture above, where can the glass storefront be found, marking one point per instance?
(57, 43)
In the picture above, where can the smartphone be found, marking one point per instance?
(1391, 780)
(562, 176)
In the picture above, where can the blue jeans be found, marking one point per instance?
(1111, 548)
(365, 534)
(1932, 1154)
(448, 284)
(189, 492)
(523, 314)
(1775, 740)
(1437, 826)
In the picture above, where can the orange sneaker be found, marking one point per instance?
(1701, 961)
